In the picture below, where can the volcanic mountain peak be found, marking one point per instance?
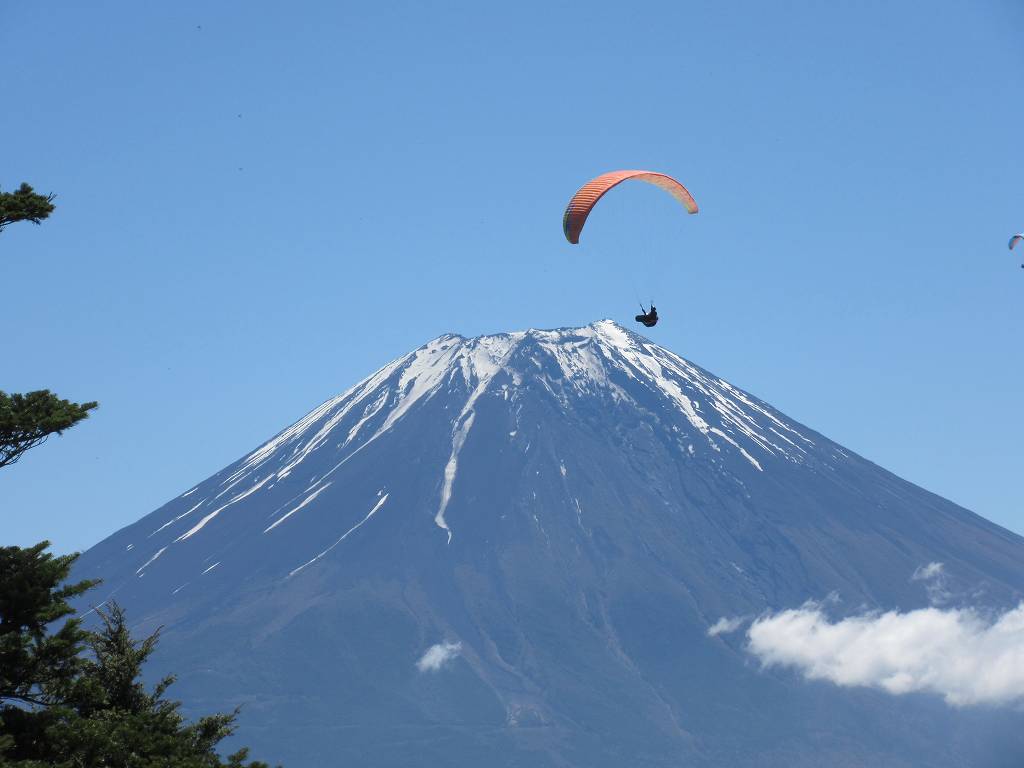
(569, 523)
(601, 360)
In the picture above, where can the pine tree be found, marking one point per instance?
(75, 698)
(27, 420)
(37, 668)
(114, 720)
(24, 204)
(71, 698)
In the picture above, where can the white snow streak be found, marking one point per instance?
(152, 559)
(199, 526)
(481, 365)
(450, 469)
(305, 501)
(333, 410)
(579, 513)
(371, 513)
(425, 371)
(176, 519)
(670, 373)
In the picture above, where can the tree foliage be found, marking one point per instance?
(37, 666)
(24, 204)
(27, 420)
(69, 697)
(75, 698)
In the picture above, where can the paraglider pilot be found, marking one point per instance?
(649, 319)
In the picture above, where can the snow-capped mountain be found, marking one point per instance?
(508, 550)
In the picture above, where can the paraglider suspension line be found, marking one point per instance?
(636, 293)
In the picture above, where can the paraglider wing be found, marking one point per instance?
(1015, 239)
(586, 198)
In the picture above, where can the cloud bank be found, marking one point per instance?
(437, 656)
(955, 653)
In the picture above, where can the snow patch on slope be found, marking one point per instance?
(483, 362)
(176, 519)
(151, 560)
(291, 512)
(737, 413)
(234, 500)
(371, 513)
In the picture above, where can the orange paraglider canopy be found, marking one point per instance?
(586, 198)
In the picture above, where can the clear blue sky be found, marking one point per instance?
(260, 203)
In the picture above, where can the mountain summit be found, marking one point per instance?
(509, 550)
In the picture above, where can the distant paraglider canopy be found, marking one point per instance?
(586, 198)
(1014, 240)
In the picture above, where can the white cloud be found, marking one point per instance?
(725, 625)
(955, 653)
(926, 572)
(934, 577)
(437, 656)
